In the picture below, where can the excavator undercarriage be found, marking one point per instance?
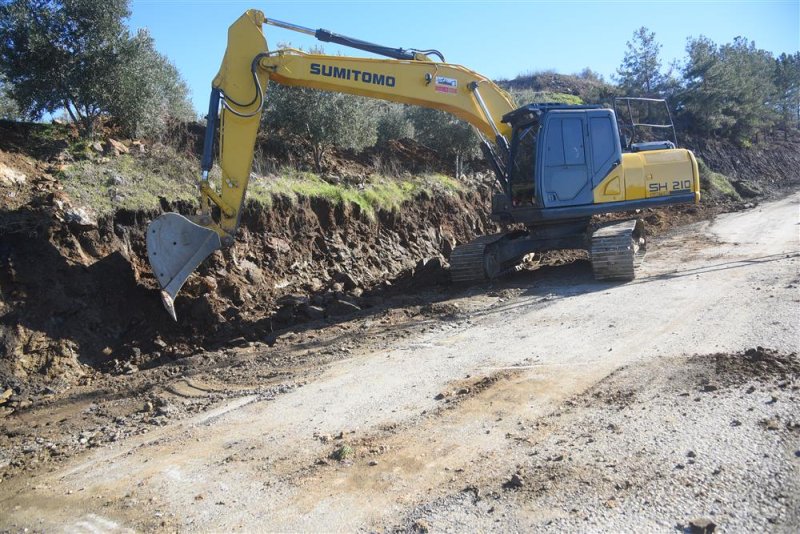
(616, 249)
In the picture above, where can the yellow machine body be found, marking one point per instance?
(656, 173)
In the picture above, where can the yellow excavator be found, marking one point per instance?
(556, 165)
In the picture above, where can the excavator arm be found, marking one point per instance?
(177, 245)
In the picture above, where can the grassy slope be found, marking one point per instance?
(137, 182)
(130, 182)
(716, 183)
(374, 193)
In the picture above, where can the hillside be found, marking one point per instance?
(542, 84)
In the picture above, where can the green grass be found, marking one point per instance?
(375, 193)
(528, 96)
(130, 182)
(561, 98)
(137, 182)
(342, 453)
(50, 134)
(715, 182)
(47, 133)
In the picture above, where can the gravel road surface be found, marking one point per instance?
(548, 402)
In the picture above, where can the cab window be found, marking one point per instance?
(522, 179)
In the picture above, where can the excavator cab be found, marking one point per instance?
(560, 153)
(567, 162)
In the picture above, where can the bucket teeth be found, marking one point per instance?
(169, 304)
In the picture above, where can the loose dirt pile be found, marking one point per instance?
(756, 363)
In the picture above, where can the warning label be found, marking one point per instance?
(446, 85)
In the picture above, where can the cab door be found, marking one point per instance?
(605, 144)
(565, 168)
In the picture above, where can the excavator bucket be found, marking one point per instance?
(175, 247)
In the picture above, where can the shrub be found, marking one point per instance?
(393, 124)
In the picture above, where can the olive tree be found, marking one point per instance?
(324, 119)
(446, 134)
(9, 110)
(393, 124)
(78, 55)
(149, 89)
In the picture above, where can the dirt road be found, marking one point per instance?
(488, 410)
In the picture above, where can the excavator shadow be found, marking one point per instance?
(739, 263)
(552, 283)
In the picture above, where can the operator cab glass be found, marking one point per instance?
(523, 170)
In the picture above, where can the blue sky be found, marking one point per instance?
(498, 39)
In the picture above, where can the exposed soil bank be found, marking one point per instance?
(77, 296)
(84, 294)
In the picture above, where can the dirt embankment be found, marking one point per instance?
(77, 295)
(756, 173)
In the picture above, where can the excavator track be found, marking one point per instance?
(471, 263)
(617, 250)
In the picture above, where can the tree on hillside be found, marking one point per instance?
(9, 110)
(729, 89)
(640, 72)
(589, 74)
(703, 100)
(393, 123)
(324, 119)
(787, 87)
(446, 134)
(148, 89)
(78, 55)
